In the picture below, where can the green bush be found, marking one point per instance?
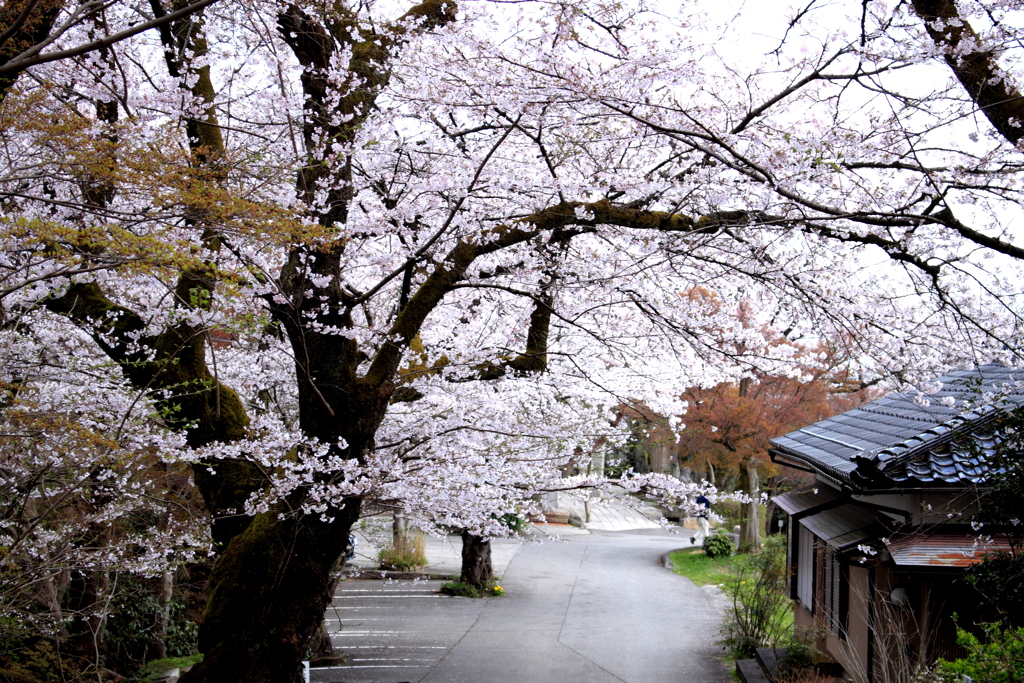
(759, 616)
(718, 546)
(131, 631)
(731, 512)
(40, 663)
(1000, 660)
(797, 655)
(514, 522)
(999, 584)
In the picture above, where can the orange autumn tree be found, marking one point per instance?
(728, 426)
(725, 428)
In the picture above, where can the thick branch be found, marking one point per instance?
(946, 218)
(116, 329)
(978, 70)
(174, 363)
(891, 248)
(562, 221)
(535, 357)
(333, 112)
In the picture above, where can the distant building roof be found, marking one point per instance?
(907, 439)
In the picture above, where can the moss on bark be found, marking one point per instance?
(267, 596)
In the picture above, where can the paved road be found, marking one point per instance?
(594, 608)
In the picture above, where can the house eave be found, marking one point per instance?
(789, 458)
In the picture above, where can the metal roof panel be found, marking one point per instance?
(844, 525)
(943, 549)
(802, 501)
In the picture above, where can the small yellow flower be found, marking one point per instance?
(498, 590)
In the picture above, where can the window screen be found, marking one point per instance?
(805, 568)
(834, 593)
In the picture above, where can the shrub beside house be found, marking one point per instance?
(875, 548)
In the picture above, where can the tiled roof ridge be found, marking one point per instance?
(955, 426)
(950, 382)
(923, 420)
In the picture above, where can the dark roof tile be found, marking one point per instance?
(906, 438)
(797, 502)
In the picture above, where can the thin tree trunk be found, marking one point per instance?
(769, 519)
(46, 591)
(399, 535)
(97, 592)
(164, 591)
(750, 530)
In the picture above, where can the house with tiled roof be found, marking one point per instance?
(876, 545)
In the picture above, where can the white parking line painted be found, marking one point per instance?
(396, 647)
(378, 666)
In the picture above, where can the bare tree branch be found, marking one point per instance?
(33, 56)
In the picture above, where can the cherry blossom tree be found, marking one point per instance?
(327, 252)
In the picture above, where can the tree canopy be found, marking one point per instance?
(321, 253)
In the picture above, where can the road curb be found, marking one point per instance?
(666, 560)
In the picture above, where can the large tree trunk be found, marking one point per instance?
(37, 19)
(476, 560)
(976, 67)
(270, 588)
(268, 594)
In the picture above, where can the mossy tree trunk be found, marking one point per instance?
(270, 588)
(268, 594)
(32, 22)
